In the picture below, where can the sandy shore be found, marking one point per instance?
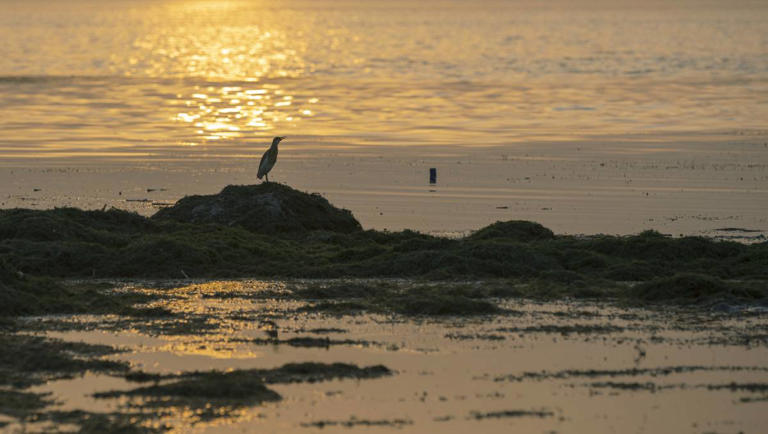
(703, 186)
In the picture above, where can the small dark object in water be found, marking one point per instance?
(433, 175)
(270, 328)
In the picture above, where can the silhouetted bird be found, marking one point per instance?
(269, 159)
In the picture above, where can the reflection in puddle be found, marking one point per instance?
(564, 366)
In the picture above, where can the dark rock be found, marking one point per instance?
(266, 208)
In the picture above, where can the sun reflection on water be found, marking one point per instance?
(216, 318)
(228, 112)
(237, 57)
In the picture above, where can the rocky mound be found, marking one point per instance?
(266, 208)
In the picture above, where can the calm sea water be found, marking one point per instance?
(95, 81)
(585, 115)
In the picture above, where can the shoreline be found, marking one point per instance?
(605, 187)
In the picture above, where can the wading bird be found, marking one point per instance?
(269, 159)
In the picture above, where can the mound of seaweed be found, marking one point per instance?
(266, 208)
(518, 230)
(71, 223)
(692, 287)
(72, 243)
(22, 294)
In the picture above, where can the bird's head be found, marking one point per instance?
(277, 140)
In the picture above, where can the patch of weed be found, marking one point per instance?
(510, 413)
(22, 294)
(426, 300)
(20, 404)
(692, 288)
(353, 422)
(302, 235)
(630, 372)
(215, 394)
(98, 423)
(27, 360)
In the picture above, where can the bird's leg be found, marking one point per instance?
(267, 175)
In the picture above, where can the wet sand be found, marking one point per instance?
(538, 367)
(710, 185)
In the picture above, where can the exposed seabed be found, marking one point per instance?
(300, 355)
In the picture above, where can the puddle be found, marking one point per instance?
(535, 367)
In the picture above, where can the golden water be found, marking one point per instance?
(588, 116)
(198, 79)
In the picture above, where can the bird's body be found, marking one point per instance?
(269, 159)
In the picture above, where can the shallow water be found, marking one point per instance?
(151, 80)
(563, 366)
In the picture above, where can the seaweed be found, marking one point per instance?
(30, 360)
(20, 404)
(27, 361)
(274, 231)
(214, 394)
(306, 372)
(429, 300)
(511, 413)
(354, 422)
(692, 287)
(22, 294)
(629, 372)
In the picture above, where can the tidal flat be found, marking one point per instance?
(270, 355)
(115, 322)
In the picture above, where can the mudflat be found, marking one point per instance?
(114, 321)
